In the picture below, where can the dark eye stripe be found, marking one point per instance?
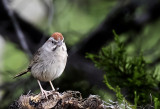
(53, 42)
(54, 48)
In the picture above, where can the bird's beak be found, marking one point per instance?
(59, 43)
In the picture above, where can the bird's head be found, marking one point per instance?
(56, 40)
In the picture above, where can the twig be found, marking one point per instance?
(17, 28)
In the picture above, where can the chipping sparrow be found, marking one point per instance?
(49, 61)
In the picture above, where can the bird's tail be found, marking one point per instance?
(22, 73)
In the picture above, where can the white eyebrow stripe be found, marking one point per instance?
(57, 40)
(54, 40)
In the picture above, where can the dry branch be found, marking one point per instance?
(56, 100)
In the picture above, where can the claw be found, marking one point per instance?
(57, 94)
(45, 93)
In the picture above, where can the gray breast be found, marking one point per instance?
(50, 66)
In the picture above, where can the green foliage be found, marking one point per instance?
(156, 103)
(116, 90)
(14, 61)
(88, 16)
(132, 74)
(136, 98)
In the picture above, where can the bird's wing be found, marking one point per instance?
(36, 58)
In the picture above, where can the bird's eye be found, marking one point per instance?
(53, 42)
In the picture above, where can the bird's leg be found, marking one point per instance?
(42, 90)
(55, 92)
(52, 85)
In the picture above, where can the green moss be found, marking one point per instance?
(131, 73)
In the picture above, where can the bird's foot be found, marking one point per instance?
(45, 93)
(55, 93)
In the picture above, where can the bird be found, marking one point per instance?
(49, 61)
